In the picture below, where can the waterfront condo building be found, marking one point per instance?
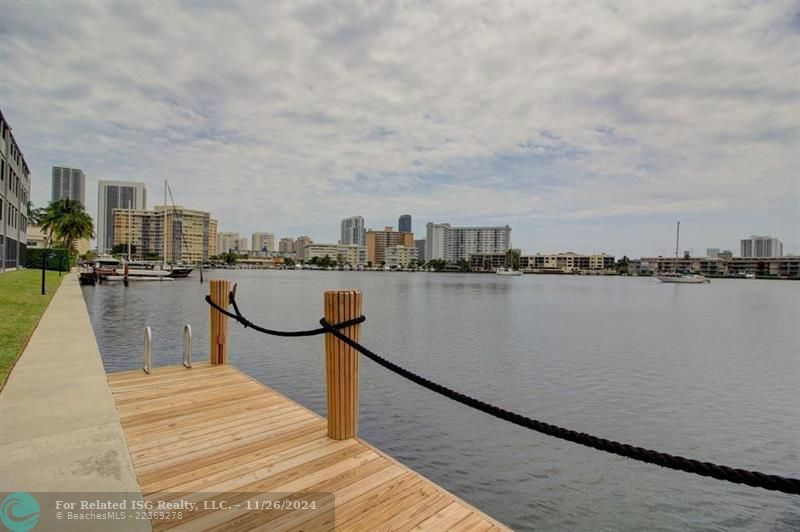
(455, 244)
(344, 254)
(568, 262)
(400, 256)
(724, 265)
(353, 231)
(115, 195)
(379, 241)
(262, 243)
(15, 189)
(761, 246)
(68, 183)
(188, 236)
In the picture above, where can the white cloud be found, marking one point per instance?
(554, 118)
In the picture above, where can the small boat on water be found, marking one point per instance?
(507, 271)
(114, 278)
(679, 276)
(682, 277)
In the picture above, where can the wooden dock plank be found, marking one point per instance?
(209, 431)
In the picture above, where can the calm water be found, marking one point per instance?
(710, 372)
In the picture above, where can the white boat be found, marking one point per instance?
(507, 271)
(138, 278)
(685, 278)
(681, 277)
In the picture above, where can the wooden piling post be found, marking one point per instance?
(218, 290)
(341, 364)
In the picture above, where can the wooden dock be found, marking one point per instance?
(211, 432)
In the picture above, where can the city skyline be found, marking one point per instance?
(575, 134)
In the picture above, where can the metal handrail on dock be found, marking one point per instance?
(187, 345)
(147, 364)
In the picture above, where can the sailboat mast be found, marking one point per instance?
(130, 228)
(165, 224)
(677, 240)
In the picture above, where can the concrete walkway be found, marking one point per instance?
(59, 428)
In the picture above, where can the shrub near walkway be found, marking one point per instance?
(21, 306)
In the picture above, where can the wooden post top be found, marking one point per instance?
(341, 364)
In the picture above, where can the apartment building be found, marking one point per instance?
(761, 246)
(345, 254)
(779, 267)
(455, 244)
(227, 242)
(379, 241)
(262, 243)
(15, 190)
(189, 233)
(400, 256)
(568, 262)
(300, 246)
(286, 246)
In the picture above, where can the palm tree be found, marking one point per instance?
(67, 220)
(35, 215)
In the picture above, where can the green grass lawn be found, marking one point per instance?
(21, 306)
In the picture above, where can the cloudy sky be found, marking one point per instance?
(584, 126)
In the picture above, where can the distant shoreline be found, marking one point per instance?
(550, 274)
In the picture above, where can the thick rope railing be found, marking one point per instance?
(237, 315)
(706, 469)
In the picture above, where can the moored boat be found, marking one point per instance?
(683, 277)
(507, 271)
(677, 276)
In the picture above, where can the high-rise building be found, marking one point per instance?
(115, 195)
(263, 243)
(240, 246)
(420, 245)
(712, 252)
(761, 246)
(15, 189)
(286, 246)
(227, 242)
(69, 183)
(455, 244)
(378, 241)
(188, 236)
(300, 246)
(404, 223)
(212, 238)
(353, 231)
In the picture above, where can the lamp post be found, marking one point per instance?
(45, 255)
